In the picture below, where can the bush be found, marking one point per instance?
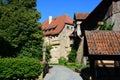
(62, 61)
(105, 26)
(75, 65)
(19, 68)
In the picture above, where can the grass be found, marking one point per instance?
(74, 65)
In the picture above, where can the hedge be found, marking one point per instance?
(19, 68)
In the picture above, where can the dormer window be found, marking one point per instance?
(67, 27)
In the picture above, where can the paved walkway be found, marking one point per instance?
(62, 73)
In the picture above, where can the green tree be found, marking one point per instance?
(48, 48)
(72, 55)
(20, 28)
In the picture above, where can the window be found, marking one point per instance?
(67, 27)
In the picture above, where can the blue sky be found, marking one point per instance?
(56, 8)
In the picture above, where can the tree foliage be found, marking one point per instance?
(72, 55)
(20, 28)
(48, 48)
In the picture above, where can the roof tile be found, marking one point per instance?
(103, 42)
(56, 25)
(81, 16)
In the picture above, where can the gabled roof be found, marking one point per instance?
(80, 16)
(103, 42)
(56, 25)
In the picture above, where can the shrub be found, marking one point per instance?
(75, 65)
(105, 26)
(62, 61)
(19, 68)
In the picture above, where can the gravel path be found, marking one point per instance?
(62, 73)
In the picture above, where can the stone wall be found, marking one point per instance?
(79, 56)
(114, 19)
(62, 50)
(113, 15)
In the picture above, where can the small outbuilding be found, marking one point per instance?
(103, 51)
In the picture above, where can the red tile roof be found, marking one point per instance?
(103, 42)
(80, 16)
(56, 25)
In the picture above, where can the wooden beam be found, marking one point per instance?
(92, 69)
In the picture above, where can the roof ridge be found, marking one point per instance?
(57, 23)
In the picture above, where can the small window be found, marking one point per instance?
(67, 27)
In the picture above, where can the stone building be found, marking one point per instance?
(58, 33)
(78, 36)
(108, 11)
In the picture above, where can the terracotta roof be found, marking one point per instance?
(103, 42)
(56, 25)
(80, 16)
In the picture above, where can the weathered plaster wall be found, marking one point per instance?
(62, 50)
(113, 15)
(114, 19)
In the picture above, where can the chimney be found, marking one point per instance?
(50, 19)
